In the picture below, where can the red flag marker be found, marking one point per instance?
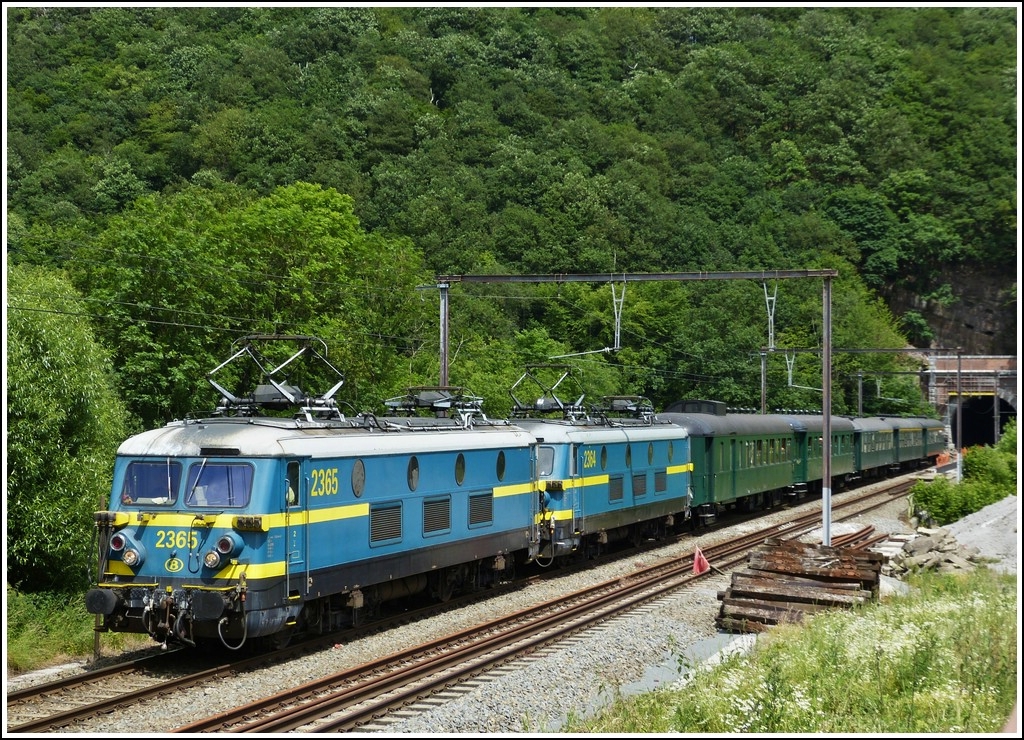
(700, 563)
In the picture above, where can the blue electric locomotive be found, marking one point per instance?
(233, 528)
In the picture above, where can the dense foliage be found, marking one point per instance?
(989, 475)
(64, 422)
(203, 173)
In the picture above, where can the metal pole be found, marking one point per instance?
(443, 287)
(995, 408)
(764, 382)
(860, 394)
(959, 419)
(826, 412)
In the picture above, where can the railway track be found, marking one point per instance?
(365, 697)
(359, 697)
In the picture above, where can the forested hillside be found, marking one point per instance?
(178, 178)
(205, 172)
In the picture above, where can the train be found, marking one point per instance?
(277, 515)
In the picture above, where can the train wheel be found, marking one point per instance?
(278, 640)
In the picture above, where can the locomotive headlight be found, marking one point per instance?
(131, 557)
(132, 554)
(229, 545)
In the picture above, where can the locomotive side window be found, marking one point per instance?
(545, 461)
(413, 473)
(629, 456)
(670, 450)
(151, 483)
(358, 478)
(219, 485)
(460, 469)
(293, 483)
(604, 458)
(500, 467)
(650, 453)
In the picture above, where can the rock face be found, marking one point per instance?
(981, 321)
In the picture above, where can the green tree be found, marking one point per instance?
(179, 277)
(64, 422)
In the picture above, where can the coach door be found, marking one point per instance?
(296, 498)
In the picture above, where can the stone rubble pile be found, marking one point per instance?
(926, 549)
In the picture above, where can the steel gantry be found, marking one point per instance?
(444, 283)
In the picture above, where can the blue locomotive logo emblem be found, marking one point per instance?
(174, 565)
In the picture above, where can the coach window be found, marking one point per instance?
(460, 469)
(413, 473)
(500, 467)
(358, 478)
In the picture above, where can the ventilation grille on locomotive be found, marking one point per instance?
(615, 488)
(481, 509)
(437, 515)
(386, 523)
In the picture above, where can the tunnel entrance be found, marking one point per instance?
(982, 412)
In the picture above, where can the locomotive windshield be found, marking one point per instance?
(151, 483)
(218, 485)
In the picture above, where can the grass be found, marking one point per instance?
(940, 660)
(45, 630)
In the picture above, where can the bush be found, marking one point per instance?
(989, 475)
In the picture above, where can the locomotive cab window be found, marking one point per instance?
(151, 483)
(218, 485)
